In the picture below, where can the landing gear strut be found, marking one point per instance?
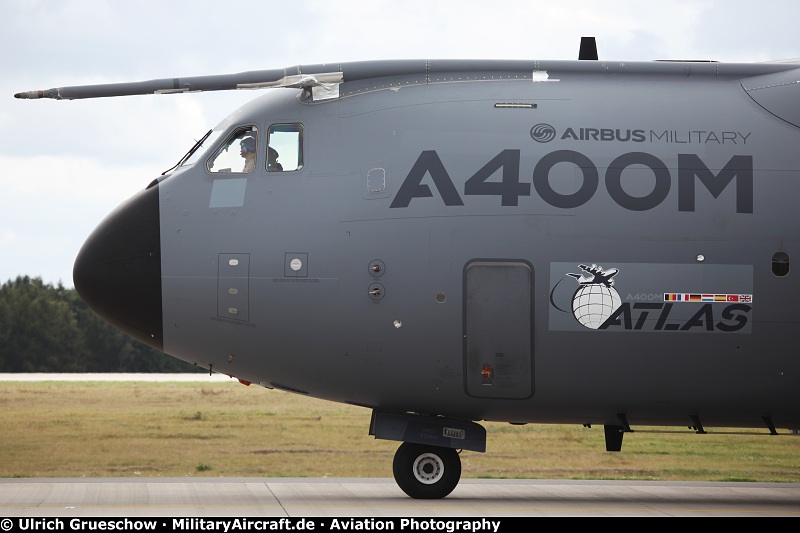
(426, 472)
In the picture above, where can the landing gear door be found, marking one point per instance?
(498, 339)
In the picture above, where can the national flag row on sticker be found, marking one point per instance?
(683, 297)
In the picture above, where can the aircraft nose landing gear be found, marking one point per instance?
(426, 472)
(427, 465)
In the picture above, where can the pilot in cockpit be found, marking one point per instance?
(272, 160)
(248, 151)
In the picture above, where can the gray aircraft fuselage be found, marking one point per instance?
(449, 242)
(477, 195)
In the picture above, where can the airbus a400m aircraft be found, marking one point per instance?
(446, 242)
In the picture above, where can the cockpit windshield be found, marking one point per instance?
(237, 154)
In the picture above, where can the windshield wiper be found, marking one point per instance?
(189, 154)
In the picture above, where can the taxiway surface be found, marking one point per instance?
(329, 497)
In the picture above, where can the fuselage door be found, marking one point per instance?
(498, 342)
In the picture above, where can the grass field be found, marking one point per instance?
(102, 429)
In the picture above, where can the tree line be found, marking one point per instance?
(46, 328)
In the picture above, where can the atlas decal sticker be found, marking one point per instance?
(636, 297)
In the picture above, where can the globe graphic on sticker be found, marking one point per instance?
(594, 303)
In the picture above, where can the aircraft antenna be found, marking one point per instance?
(588, 49)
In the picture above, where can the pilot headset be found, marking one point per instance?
(249, 144)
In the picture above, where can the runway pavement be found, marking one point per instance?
(350, 498)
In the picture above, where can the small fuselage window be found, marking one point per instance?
(285, 147)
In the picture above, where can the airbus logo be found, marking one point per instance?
(543, 133)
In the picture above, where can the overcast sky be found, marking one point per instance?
(66, 164)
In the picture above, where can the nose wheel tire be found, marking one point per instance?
(426, 472)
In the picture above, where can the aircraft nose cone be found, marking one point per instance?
(118, 269)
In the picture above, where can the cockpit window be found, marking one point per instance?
(237, 153)
(285, 147)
